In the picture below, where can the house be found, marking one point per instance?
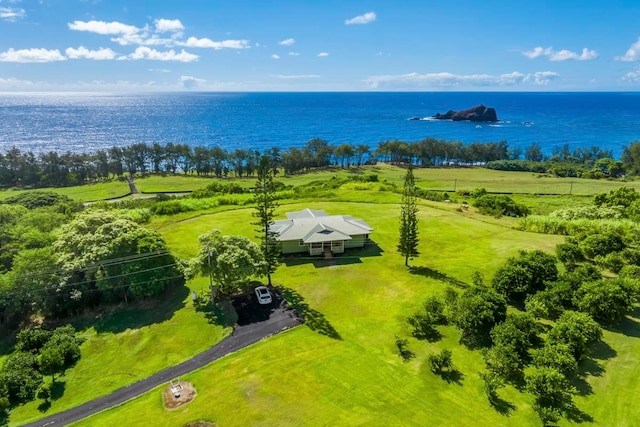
(314, 232)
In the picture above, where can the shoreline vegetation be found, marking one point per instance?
(52, 169)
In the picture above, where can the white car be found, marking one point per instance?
(263, 294)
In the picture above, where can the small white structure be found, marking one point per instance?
(315, 232)
(176, 387)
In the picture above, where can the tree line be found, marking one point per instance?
(53, 169)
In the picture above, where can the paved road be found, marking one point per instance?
(243, 336)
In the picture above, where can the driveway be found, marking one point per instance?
(280, 319)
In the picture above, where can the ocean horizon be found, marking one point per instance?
(90, 121)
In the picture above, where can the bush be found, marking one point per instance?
(601, 244)
(440, 362)
(37, 199)
(499, 205)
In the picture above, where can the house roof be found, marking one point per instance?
(314, 226)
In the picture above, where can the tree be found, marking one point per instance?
(631, 158)
(113, 254)
(606, 300)
(230, 260)
(525, 274)
(478, 310)
(408, 242)
(556, 356)
(552, 391)
(61, 352)
(577, 330)
(441, 361)
(264, 197)
(504, 362)
(20, 376)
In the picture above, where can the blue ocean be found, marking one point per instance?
(86, 122)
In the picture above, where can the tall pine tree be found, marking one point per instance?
(408, 242)
(264, 197)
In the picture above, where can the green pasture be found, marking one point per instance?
(82, 193)
(129, 344)
(342, 368)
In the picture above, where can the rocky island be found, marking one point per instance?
(479, 113)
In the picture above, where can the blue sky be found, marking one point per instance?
(319, 45)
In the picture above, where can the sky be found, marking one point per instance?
(319, 45)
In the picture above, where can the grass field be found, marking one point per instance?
(305, 377)
(441, 179)
(342, 367)
(130, 344)
(82, 193)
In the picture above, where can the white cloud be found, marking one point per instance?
(362, 19)
(294, 54)
(169, 55)
(189, 82)
(31, 55)
(323, 54)
(632, 54)
(445, 79)
(275, 56)
(104, 28)
(297, 76)
(11, 14)
(208, 43)
(632, 76)
(159, 70)
(560, 55)
(83, 52)
(168, 25)
(287, 42)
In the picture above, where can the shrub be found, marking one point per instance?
(37, 199)
(440, 362)
(601, 244)
(498, 205)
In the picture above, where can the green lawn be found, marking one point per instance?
(304, 377)
(82, 193)
(131, 344)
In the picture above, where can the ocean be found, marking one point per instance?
(86, 122)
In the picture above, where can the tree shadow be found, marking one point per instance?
(453, 376)
(629, 326)
(406, 355)
(430, 334)
(602, 351)
(437, 275)
(502, 406)
(4, 418)
(577, 415)
(582, 386)
(310, 317)
(350, 256)
(57, 389)
(219, 313)
(44, 406)
(137, 314)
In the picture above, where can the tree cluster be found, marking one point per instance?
(57, 268)
(39, 352)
